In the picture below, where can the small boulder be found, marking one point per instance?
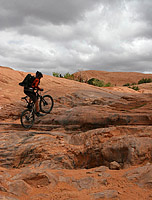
(142, 176)
(114, 165)
(85, 183)
(108, 194)
(19, 188)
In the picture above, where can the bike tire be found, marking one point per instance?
(27, 122)
(46, 104)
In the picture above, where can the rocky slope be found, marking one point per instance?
(95, 144)
(115, 78)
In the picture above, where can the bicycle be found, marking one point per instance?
(27, 117)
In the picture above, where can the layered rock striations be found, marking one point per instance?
(95, 144)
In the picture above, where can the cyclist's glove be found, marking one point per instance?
(41, 89)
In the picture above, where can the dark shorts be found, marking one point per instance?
(32, 95)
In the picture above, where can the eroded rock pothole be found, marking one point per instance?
(94, 148)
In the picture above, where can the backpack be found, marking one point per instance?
(28, 80)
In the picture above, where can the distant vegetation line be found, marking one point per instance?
(134, 85)
(92, 81)
(101, 83)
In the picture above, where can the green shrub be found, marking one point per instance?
(134, 84)
(96, 82)
(68, 76)
(127, 84)
(108, 84)
(135, 88)
(56, 74)
(145, 80)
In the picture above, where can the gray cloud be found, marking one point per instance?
(17, 13)
(66, 36)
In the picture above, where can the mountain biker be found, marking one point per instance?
(29, 91)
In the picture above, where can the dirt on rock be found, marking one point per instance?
(95, 144)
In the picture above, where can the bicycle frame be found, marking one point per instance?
(45, 104)
(39, 96)
(26, 97)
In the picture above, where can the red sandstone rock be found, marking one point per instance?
(62, 156)
(141, 176)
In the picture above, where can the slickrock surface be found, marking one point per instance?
(115, 78)
(95, 144)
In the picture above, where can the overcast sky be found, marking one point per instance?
(72, 35)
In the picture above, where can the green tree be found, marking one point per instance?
(56, 74)
(96, 82)
(68, 76)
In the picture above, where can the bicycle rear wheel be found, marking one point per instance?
(27, 118)
(46, 104)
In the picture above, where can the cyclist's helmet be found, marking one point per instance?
(39, 74)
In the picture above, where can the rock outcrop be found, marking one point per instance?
(95, 144)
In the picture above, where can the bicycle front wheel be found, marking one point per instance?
(46, 104)
(27, 118)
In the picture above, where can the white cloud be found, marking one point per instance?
(72, 35)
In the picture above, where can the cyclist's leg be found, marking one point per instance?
(29, 102)
(32, 96)
(37, 106)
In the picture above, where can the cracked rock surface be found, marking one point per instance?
(95, 144)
